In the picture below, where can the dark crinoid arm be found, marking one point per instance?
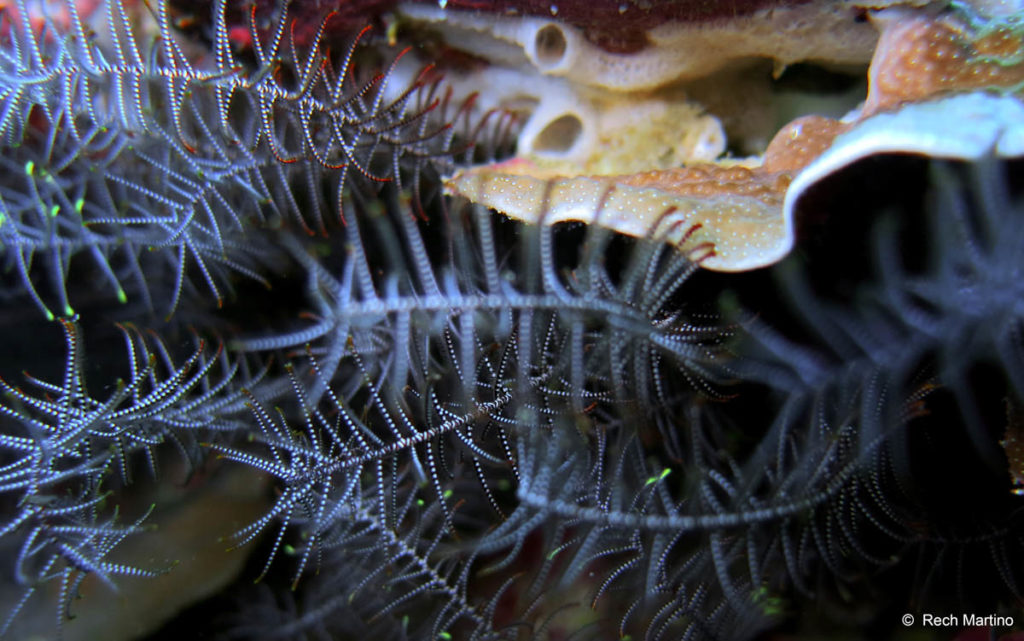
(437, 357)
(153, 165)
(67, 454)
(920, 364)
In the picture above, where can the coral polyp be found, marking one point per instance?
(666, 320)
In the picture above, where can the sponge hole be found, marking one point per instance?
(559, 135)
(550, 45)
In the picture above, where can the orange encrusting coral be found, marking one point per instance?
(728, 232)
(711, 181)
(801, 141)
(920, 55)
(736, 217)
(792, 149)
(728, 217)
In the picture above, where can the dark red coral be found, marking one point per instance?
(615, 25)
(620, 25)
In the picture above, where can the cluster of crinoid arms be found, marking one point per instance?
(466, 427)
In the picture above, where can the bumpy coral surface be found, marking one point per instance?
(736, 215)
